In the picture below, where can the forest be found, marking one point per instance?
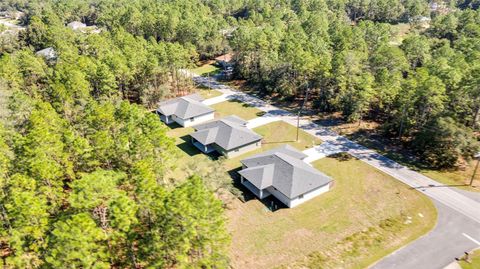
(83, 160)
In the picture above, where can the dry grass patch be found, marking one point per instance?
(365, 216)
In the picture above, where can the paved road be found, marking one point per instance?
(457, 211)
(449, 240)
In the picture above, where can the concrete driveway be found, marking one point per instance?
(265, 119)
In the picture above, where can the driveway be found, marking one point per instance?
(459, 214)
(437, 249)
(321, 151)
(265, 119)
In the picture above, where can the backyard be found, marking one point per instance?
(365, 216)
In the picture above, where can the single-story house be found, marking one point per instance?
(48, 53)
(186, 111)
(281, 172)
(76, 25)
(228, 136)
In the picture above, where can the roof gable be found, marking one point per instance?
(291, 176)
(184, 107)
(228, 133)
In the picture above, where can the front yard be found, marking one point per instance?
(365, 216)
(235, 107)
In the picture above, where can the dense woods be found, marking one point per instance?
(83, 162)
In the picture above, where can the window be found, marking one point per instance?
(300, 196)
(191, 119)
(237, 150)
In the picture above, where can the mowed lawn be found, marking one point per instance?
(366, 215)
(235, 107)
(205, 69)
(206, 93)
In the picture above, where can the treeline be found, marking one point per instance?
(83, 169)
(426, 91)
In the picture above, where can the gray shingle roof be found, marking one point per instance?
(228, 133)
(283, 169)
(184, 107)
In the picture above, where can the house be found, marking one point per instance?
(83, 28)
(48, 53)
(76, 25)
(186, 111)
(281, 172)
(228, 136)
(224, 61)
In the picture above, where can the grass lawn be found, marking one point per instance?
(475, 262)
(206, 93)
(459, 178)
(206, 69)
(237, 108)
(365, 216)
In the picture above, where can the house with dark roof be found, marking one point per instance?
(229, 136)
(281, 172)
(186, 111)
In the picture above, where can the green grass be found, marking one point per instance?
(459, 178)
(206, 93)
(206, 69)
(237, 108)
(365, 216)
(474, 263)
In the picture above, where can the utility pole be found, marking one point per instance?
(477, 156)
(301, 109)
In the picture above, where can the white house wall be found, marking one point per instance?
(239, 151)
(195, 120)
(309, 195)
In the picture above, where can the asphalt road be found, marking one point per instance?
(439, 247)
(458, 227)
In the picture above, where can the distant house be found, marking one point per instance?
(186, 111)
(48, 53)
(281, 172)
(76, 25)
(225, 60)
(228, 136)
(82, 27)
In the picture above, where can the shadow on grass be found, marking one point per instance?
(271, 203)
(261, 113)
